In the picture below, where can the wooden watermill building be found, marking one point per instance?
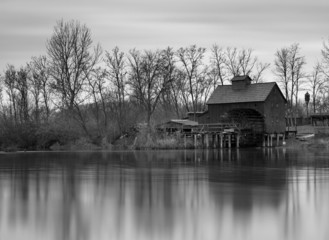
(256, 108)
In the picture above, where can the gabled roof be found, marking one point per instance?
(257, 92)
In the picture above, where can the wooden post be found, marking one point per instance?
(195, 140)
(277, 139)
(229, 140)
(238, 140)
(221, 140)
(207, 140)
(271, 137)
(264, 140)
(268, 140)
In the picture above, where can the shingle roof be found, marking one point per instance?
(257, 92)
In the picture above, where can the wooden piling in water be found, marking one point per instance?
(221, 140)
(238, 141)
(264, 141)
(214, 138)
(207, 140)
(268, 140)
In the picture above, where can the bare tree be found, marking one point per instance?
(206, 86)
(117, 72)
(289, 67)
(39, 82)
(146, 79)
(98, 90)
(71, 60)
(295, 64)
(243, 62)
(233, 62)
(300, 77)
(1, 82)
(22, 88)
(1, 94)
(35, 89)
(218, 60)
(170, 98)
(10, 79)
(282, 69)
(40, 79)
(325, 58)
(246, 61)
(191, 59)
(257, 76)
(316, 83)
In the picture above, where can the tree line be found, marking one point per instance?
(78, 89)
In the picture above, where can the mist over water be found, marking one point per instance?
(216, 194)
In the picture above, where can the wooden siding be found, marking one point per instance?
(274, 112)
(216, 110)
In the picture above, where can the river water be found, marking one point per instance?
(216, 194)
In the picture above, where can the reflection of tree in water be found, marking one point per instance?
(31, 200)
(168, 193)
(163, 194)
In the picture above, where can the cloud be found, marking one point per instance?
(264, 25)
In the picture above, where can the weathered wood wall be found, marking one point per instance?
(274, 112)
(217, 110)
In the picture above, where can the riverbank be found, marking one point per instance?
(149, 140)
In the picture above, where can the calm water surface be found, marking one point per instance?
(246, 194)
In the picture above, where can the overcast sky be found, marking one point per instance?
(263, 25)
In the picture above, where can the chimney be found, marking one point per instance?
(240, 82)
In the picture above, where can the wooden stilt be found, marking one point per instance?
(229, 140)
(264, 141)
(268, 140)
(238, 141)
(195, 140)
(221, 140)
(207, 140)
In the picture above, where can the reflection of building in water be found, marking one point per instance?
(250, 178)
(228, 194)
